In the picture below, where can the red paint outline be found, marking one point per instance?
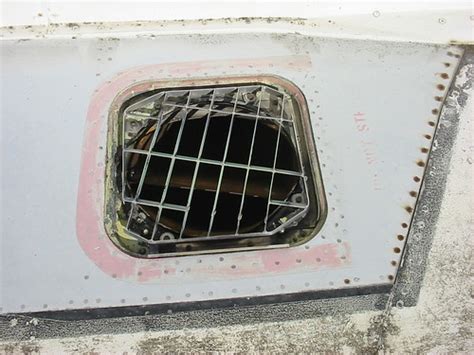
(90, 229)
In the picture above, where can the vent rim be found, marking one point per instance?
(309, 161)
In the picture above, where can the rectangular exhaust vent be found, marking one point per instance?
(195, 145)
(200, 169)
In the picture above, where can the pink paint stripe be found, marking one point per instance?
(90, 201)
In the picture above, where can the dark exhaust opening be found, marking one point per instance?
(206, 183)
(213, 169)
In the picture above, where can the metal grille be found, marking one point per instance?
(212, 164)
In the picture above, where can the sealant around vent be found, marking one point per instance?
(214, 169)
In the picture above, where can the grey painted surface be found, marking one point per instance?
(440, 321)
(370, 104)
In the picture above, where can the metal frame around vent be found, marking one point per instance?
(355, 247)
(309, 209)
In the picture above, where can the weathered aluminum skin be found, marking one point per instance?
(374, 108)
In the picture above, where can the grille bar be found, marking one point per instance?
(221, 173)
(239, 216)
(217, 162)
(274, 166)
(142, 176)
(243, 114)
(170, 170)
(196, 168)
(159, 111)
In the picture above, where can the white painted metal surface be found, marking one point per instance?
(371, 105)
(403, 20)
